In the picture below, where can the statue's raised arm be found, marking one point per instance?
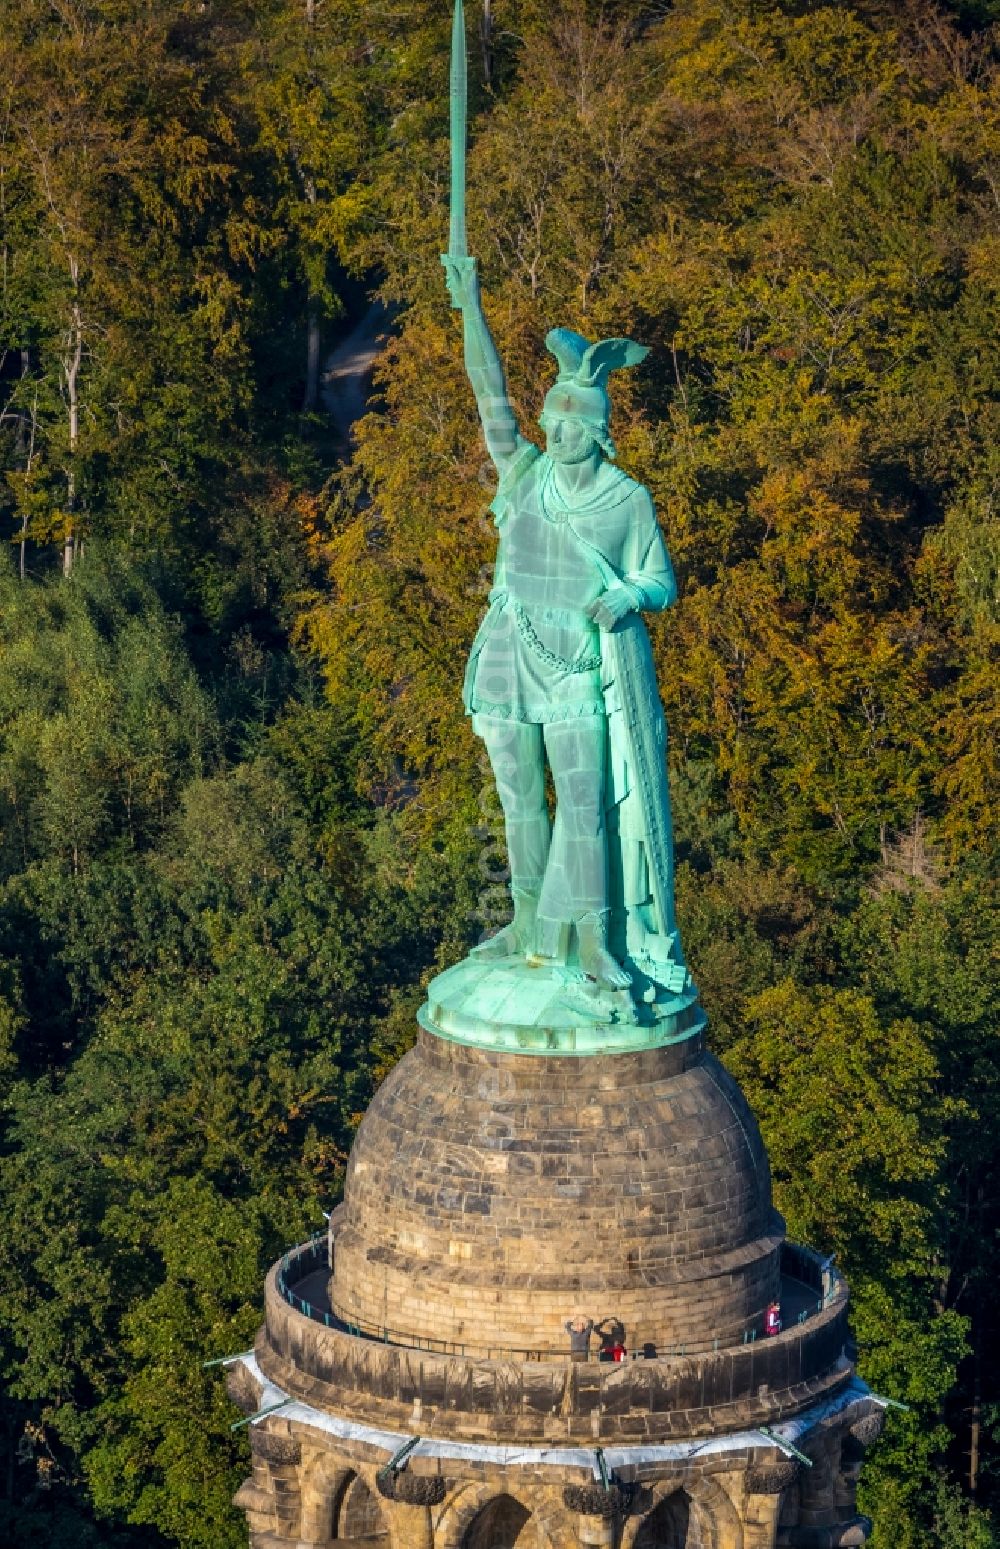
(482, 362)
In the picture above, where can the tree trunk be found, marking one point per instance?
(24, 450)
(486, 39)
(71, 373)
(311, 396)
(29, 463)
(976, 1417)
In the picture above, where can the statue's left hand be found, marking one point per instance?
(612, 606)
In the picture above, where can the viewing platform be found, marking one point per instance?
(540, 1393)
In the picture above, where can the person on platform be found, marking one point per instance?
(579, 1328)
(611, 1333)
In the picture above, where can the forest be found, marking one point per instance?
(242, 816)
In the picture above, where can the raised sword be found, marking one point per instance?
(458, 96)
(458, 245)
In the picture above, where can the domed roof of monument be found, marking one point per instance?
(492, 1197)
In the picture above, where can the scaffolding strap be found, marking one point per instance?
(226, 1360)
(398, 1458)
(270, 1410)
(787, 1447)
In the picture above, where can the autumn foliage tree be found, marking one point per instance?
(241, 813)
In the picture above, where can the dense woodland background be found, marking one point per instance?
(241, 815)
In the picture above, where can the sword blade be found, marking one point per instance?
(457, 240)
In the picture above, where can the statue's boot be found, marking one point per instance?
(517, 938)
(592, 948)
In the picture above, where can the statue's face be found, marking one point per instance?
(566, 439)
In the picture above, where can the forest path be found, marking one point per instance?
(346, 380)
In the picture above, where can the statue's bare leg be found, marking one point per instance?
(576, 878)
(518, 761)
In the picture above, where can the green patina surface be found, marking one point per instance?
(561, 682)
(547, 1009)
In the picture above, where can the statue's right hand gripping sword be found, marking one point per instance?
(457, 261)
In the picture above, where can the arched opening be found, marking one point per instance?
(502, 1523)
(357, 1517)
(670, 1526)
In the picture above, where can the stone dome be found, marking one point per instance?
(491, 1196)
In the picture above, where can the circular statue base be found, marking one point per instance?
(545, 1008)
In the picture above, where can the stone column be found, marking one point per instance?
(277, 1456)
(596, 1531)
(412, 1498)
(766, 1484)
(595, 1512)
(411, 1527)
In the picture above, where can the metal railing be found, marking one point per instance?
(315, 1255)
(798, 1263)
